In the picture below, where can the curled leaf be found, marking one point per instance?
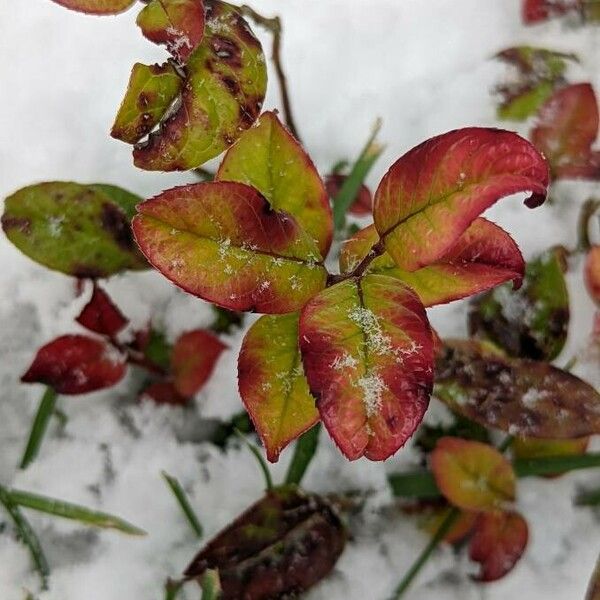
(522, 397)
(566, 129)
(101, 315)
(272, 382)
(221, 241)
(222, 96)
(179, 24)
(363, 202)
(282, 545)
(96, 7)
(268, 158)
(76, 364)
(499, 540)
(532, 322)
(367, 351)
(483, 257)
(432, 194)
(591, 273)
(80, 230)
(193, 360)
(472, 475)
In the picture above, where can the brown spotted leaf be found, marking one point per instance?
(97, 7)
(76, 364)
(519, 396)
(222, 96)
(281, 546)
(80, 230)
(101, 315)
(499, 540)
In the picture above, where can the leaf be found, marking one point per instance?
(526, 448)
(566, 129)
(101, 315)
(164, 392)
(179, 24)
(154, 347)
(431, 195)
(483, 257)
(522, 397)
(282, 545)
(591, 273)
(460, 529)
(80, 230)
(222, 242)
(76, 364)
(472, 475)
(222, 96)
(593, 591)
(96, 7)
(151, 90)
(363, 201)
(270, 159)
(193, 360)
(498, 543)
(272, 383)
(367, 352)
(532, 322)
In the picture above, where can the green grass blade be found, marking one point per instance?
(211, 585)
(550, 465)
(184, 503)
(305, 449)
(39, 427)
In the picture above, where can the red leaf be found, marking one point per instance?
(76, 364)
(499, 540)
(566, 129)
(592, 273)
(101, 315)
(164, 392)
(536, 11)
(363, 203)
(193, 359)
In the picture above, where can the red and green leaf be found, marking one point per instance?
(76, 364)
(80, 230)
(272, 382)
(522, 397)
(268, 158)
(592, 273)
(151, 90)
(471, 475)
(222, 96)
(179, 24)
(193, 360)
(566, 129)
(101, 315)
(499, 540)
(367, 352)
(483, 257)
(97, 7)
(223, 242)
(431, 195)
(363, 203)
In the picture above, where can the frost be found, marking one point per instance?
(295, 282)
(344, 361)
(55, 226)
(377, 342)
(372, 387)
(224, 247)
(176, 264)
(532, 396)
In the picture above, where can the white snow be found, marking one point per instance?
(425, 68)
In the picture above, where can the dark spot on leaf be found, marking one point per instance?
(231, 84)
(115, 223)
(226, 51)
(21, 223)
(82, 271)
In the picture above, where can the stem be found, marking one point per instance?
(184, 503)
(588, 498)
(39, 427)
(366, 159)
(439, 535)
(377, 250)
(506, 443)
(588, 210)
(261, 461)
(274, 26)
(304, 452)
(173, 587)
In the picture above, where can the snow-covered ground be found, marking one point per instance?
(423, 66)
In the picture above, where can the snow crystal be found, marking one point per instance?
(344, 361)
(55, 226)
(372, 387)
(377, 342)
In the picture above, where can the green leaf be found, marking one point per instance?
(40, 423)
(97, 7)
(305, 450)
(80, 230)
(184, 503)
(211, 585)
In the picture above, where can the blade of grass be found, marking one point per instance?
(173, 587)
(75, 512)
(360, 169)
(27, 536)
(40, 425)
(588, 498)
(184, 503)
(261, 461)
(305, 449)
(211, 585)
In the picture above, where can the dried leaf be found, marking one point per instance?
(268, 158)
(522, 397)
(222, 96)
(193, 360)
(221, 241)
(97, 7)
(282, 545)
(101, 315)
(472, 475)
(532, 322)
(498, 543)
(591, 273)
(164, 392)
(76, 364)
(431, 195)
(272, 382)
(483, 257)
(367, 351)
(80, 230)
(363, 203)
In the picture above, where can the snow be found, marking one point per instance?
(425, 68)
